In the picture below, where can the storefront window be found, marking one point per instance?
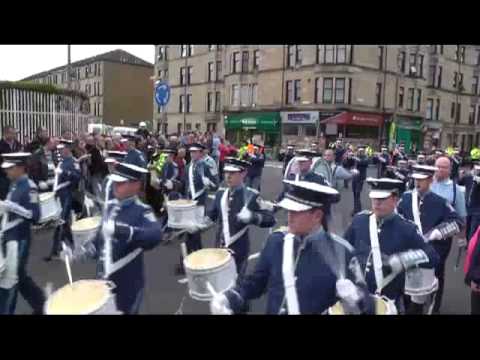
(291, 129)
(362, 132)
(310, 130)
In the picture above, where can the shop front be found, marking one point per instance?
(259, 126)
(299, 128)
(354, 127)
(408, 131)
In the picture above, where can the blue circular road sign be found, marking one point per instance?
(162, 93)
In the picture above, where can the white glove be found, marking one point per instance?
(435, 235)
(476, 179)
(245, 216)
(169, 184)
(109, 227)
(219, 305)
(347, 291)
(42, 185)
(355, 172)
(50, 182)
(58, 171)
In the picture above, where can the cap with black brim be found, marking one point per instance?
(235, 165)
(305, 195)
(422, 172)
(128, 172)
(384, 187)
(15, 159)
(196, 147)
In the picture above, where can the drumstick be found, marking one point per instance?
(67, 264)
(253, 256)
(211, 289)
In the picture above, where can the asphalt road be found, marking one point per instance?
(164, 294)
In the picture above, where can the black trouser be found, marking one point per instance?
(442, 247)
(4, 184)
(475, 303)
(63, 231)
(357, 186)
(29, 290)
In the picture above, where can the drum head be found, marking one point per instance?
(381, 307)
(86, 224)
(181, 203)
(81, 298)
(205, 259)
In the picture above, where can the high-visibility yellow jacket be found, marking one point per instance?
(475, 153)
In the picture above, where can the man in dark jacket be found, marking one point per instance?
(254, 173)
(9, 144)
(41, 138)
(98, 169)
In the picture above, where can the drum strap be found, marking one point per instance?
(377, 257)
(229, 240)
(194, 194)
(117, 265)
(62, 185)
(289, 276)
(415, 210)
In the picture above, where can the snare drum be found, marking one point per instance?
(420, 282)
(83, 297)
(84, 230)
(215, 266)
(383, 306)
(50, 207)
(184, 213)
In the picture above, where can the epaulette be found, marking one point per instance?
(406, 220)
(365, 212)
(255, 191)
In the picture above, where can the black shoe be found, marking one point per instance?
(52, 257)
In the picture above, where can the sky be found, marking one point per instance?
(20, 61)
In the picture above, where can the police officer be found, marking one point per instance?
(383, 160)
(20, 210)
(387, 244)
(135, 156)
(361, 164)
(68, 176)
(298, 269)
(289, 155)
(236, 208)
(129, 227)
(168, 181)
(198, 181)
(433, 215)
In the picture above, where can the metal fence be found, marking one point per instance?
(26, 110)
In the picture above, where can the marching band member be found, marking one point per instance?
(382, 159)
(294, 269)
(128, 229)
(433, 215)
(198, 181)
(236, 207)
(304, 159)
(68, 173)
(399, 172)
(385, 240)
(112, 160)
(20, 210)
(289, 155)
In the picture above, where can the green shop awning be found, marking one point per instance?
(262, 121)
(409, 123)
